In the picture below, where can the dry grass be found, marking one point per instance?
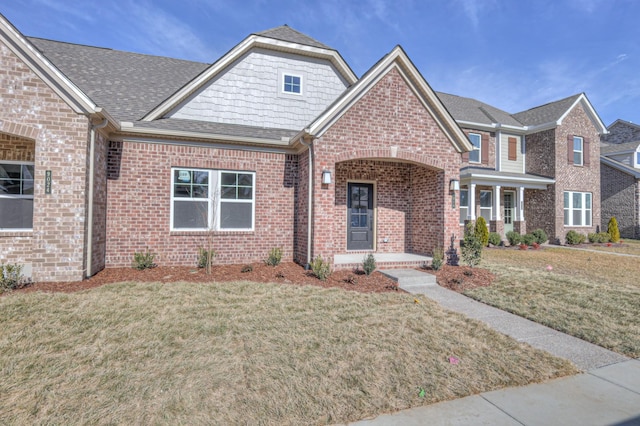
(627, 247)
(230, 353)
(592, 296)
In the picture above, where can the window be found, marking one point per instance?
(16, 195)
(486, 204)
(476, 141)
(637, 160)
(292, 84)
(578, 150)
(212, 199)
(464, 204)
(577, 208)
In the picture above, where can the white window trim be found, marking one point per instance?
(489, 208)
(466, 207)
(21, 196)
(581, 151)
(284, 74)
(479, 149)
(636, 159)
(214, 195)
(584, 209)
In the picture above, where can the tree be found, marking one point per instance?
(471, 247)
(613, 231)
(481, 231)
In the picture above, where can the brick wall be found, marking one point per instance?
(620, 199)
(539, 205)
(388, 122)
(99, 243)
(301, 203)
(16, 148)
(31, 110)
(139, 202)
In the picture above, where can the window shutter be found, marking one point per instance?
(570, 149)
(484, 148)
(513, 148)
(585, 151)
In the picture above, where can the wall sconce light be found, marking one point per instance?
(454, 185)
(326, 177)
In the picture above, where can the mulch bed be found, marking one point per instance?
(457, 278)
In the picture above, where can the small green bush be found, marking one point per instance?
(482, 231)
(369, 264)
(514, 238)
(144, 260)
(437, 258)
(471, 248)
(320, 268)
(540, 235)
(573, 238)
(275, 257)
(205, 257)
(528, 239)
(495, 239)
(613, 231)
(600, 237)
(11, 277)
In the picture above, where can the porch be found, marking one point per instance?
(383, 260)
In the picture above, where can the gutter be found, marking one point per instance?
(92, 149)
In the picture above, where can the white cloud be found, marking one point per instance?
(475, 9)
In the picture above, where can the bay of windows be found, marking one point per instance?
(577, 208)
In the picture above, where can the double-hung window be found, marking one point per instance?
(464, 205)
(486, 205)
(212, 200)
(16, 195)
(476, 141)
(577, 208)
(578, 151)
(292, 84)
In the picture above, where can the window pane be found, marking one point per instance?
(16, 213)
(587, 198)
(464, 197)
(182, 176)
(475, 140)
(577, 158)
(245, 193)
(235, 215)
(182, 191)
(577, 217)
(200, 191)
(190, 215)
(486, 214)
(229, 179)
(587, 218)
(201, 178)
(485, 199)
(245, 179)
(566, 217)
(463, 214)
(577, 200)
(577, 144)
(228, 193)
(566, 200)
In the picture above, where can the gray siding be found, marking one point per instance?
(249, 92)
(624, 159)
(507, 165)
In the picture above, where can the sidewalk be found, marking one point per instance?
(607, 394)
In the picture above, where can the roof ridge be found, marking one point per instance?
(280, 33)
(550, 103)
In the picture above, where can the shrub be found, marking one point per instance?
(11, 277)
(528, 239)
(438, 258)
(246, 268)
(613, 231)
(320, 268)
(600, 237)
(574, 238)
(471, 248)
(495, 239)
(540, 235)
(514, 238)
(481, 231)
(275, 257)
(369, 264)
(205, 257)
(144, 260)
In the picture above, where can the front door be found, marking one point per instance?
(509, 197)
(360, 216)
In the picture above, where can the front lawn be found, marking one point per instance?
(593, 296)
(243, 353)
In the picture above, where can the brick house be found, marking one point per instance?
(533, 169)
(620, 172)
(276, 144)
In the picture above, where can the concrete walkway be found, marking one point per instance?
(607, 394)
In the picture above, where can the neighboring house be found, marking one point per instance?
(533, 169)
(276, 144)
(620, 172)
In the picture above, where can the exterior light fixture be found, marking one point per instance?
(326, 177)
(454, 185)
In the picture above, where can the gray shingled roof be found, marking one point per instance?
(206, 127)
(286, 33)
(619, 147)
(128, 85)
(546, 113)
(467, 109)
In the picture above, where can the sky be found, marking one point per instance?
(512, 54)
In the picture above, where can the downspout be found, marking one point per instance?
(92, 150)
(310, 200)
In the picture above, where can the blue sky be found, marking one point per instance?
(513, 54)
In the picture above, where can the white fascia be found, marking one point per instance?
(602, 129)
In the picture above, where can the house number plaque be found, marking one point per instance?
(47, 182)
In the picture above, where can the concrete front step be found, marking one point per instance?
(383, 260)
(411, 280)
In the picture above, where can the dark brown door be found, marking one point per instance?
(360, 216)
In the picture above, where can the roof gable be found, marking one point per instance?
(396, 59)
(255, 41)
(286, 33)
(47, 71)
